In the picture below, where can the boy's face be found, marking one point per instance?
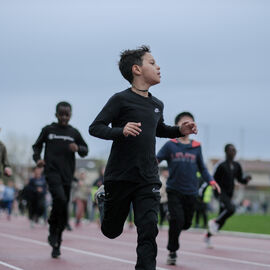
(184, 119)
(231, 152)
(150, 71)
(63, 115)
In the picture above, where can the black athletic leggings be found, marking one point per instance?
(226, 209)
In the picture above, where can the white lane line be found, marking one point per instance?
(74, 250)
(131, 245)
(226, 259)
(234, 248)
(184, 240)
(182, 252)
(10, 266)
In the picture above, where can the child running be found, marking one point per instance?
(131, 174)
(184, 158)
(225, 174)
(61, 142)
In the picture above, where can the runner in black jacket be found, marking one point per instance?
(131, 175)
(61, 142)
(225, 174)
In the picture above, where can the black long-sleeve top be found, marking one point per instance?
(225, 174)
(132, 158)
(58, 157)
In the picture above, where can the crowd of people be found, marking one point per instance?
(131, 185)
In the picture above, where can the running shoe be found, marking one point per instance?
(56, 252)
(207, 241)
(212, 226)
(171, 260)
(99, 199)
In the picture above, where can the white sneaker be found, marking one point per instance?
(212, 226)
(99, 194)
(207, 241)
(171, 259)
(99, 199)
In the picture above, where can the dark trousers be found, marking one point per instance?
(181, 210)
(36, 208)
(60, 197)
(7, 205)
(145, 200)
(201, 211)
(226, 209)
(163, 210)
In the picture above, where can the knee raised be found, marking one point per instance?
(111, 233)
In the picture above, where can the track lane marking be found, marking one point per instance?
(182, 252)
(184, 240)
(10, 266)
(131, 245)
(74, 250)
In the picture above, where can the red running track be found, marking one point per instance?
(85, 248)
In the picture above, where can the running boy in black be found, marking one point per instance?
(225, 174)
(61, 142)
(184, 158)
(131, 175)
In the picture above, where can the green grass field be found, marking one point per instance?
(247, 223)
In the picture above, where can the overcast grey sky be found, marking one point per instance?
(214, 58)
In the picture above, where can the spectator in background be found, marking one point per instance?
(264, 206)
(2, 188)
(97, 183)
(81, 194)
(8, 198)
(5, 168)
(37, 189)
(203, 199)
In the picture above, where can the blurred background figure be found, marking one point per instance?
(5, 168)
(36, 191)
(225, 174)
(163, 207)
(8, 198)
(81, 194)
(2, 188)
(204, 198)
(130, 217)
(97, 183)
